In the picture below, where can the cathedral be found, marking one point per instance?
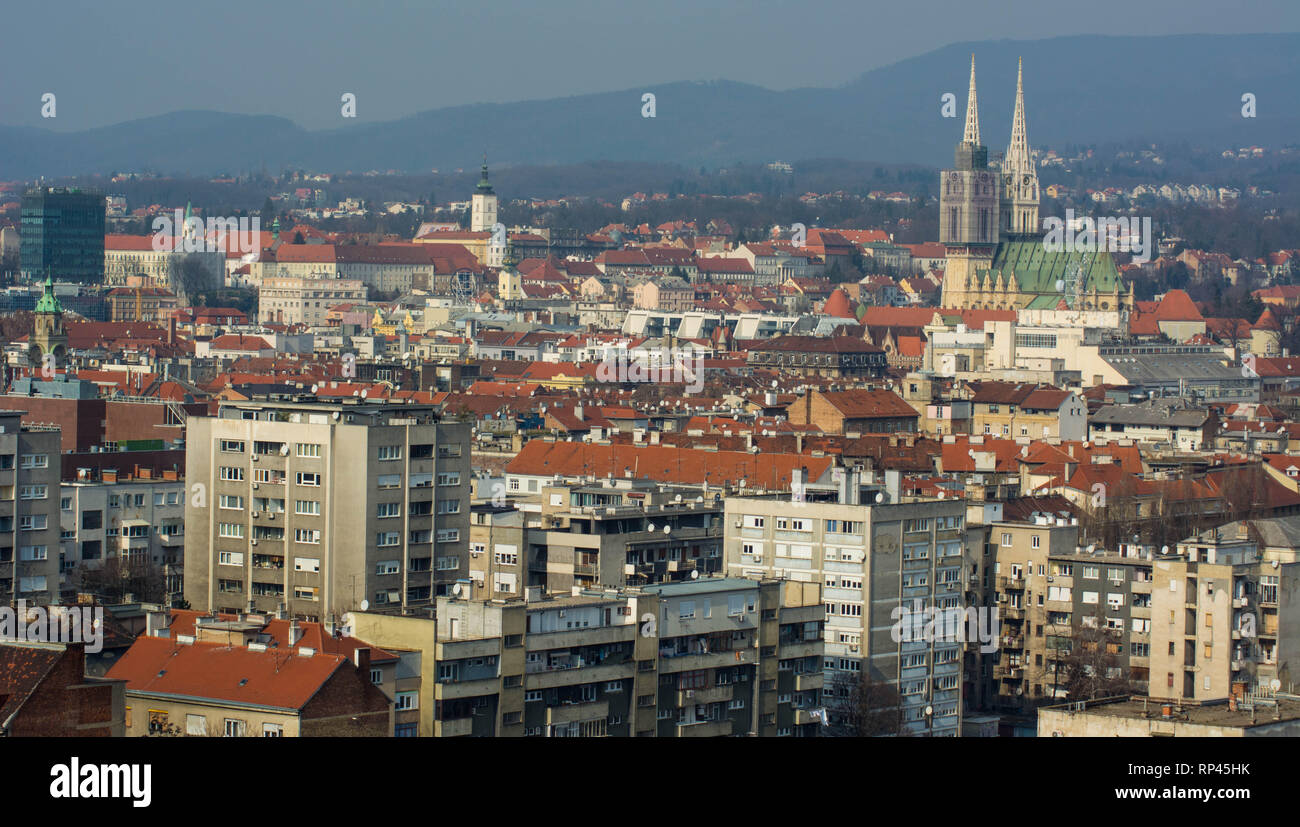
(988, 222)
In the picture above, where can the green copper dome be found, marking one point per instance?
(49, 302)
(484, 187)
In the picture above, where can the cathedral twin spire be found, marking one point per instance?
(1017, 157)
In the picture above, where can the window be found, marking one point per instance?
(33, 522)
(230, 558)
(235, 530)
(448, 535)
(232, 501)
(234, 728)
(388, 538)
(449, 478)
(232, 446)
(389, 481)
(33, 492)
(1006, 539)
(311, 536)
(309, 508)
(272, 731)
(389, 452)
(308, 449)
(308, 479)
(232, 474)
(65, 503)
(388, 567)
(384, 510)
(30, 553)
(449, 506)
(35, 461)
(311, 564)
(1035, 541)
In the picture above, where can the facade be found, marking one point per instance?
(322, 508)
(29, 512)
(46, 693)
(138, 521)
(873, 558)
(288, 300)
(836, 357)
(706, 658)
(63, 234)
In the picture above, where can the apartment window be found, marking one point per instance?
(311, 564)
(309, 449)
(389, 452)
(308, 479)
(33, 522)
(384, 510)
(310, 536)
(1091, 572)
(309, 508)
(33, 492)
(388, 538)
(405, 700)
(389, 481)
(232, 474)
(449, 506)
(234, 728)
(35, 461)
(272, 731)
(230, 558)
(448, 535)
(1006, 539)
(65, 503)
(1035, 541)
(388, 567)
(232, 446)
(235, 530)
(449, 478)
(30, 553)
(232, 502)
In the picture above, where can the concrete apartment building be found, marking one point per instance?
(704, 658)
(1129, 717)
(584, 534)
(113, 516)
(1224, 613)
(29, 511)
(874, 552)
(317, 507)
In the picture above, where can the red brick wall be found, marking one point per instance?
(55, 709)
(80, 418)
(346, 695)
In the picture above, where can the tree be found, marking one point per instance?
(863, 707)
(1090, 666)
(188, 276)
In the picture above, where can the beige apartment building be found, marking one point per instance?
(709, 657)
(321, 508)
(876, 554)
(1224, 613)
(29, 511)
(289, 300)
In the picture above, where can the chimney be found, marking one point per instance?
(295, 633)
(361, 657)
(171, 330)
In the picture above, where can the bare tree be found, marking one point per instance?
(863, 707)
(1091, 667)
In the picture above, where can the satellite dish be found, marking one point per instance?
(284, 450)
(1275, 684)
(929, 710)
(668, 529)
(880, 496)
(314, 388)
(650, 527)
(1274, 564)
(695, 573)
(457, 589)
(363, 394)
(365, 605)
(1164, 549)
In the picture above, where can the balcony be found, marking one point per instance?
(467, 689)
(1005, 582)
(713, 660)
(802, 717)
(573, 713)
(809, 680)
(455, 728)
(1011, 612)
(704, 696)
(705, 729)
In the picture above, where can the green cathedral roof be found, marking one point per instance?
(1039, 271)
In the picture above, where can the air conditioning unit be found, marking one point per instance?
(254, 513)
(252, 542)
(254, 457)
(270, 515)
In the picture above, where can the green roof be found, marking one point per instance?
(49, 302)
(1039, 271)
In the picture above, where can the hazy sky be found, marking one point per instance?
(108, 62)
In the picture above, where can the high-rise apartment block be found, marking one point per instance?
(29, 511)
(324, 507)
